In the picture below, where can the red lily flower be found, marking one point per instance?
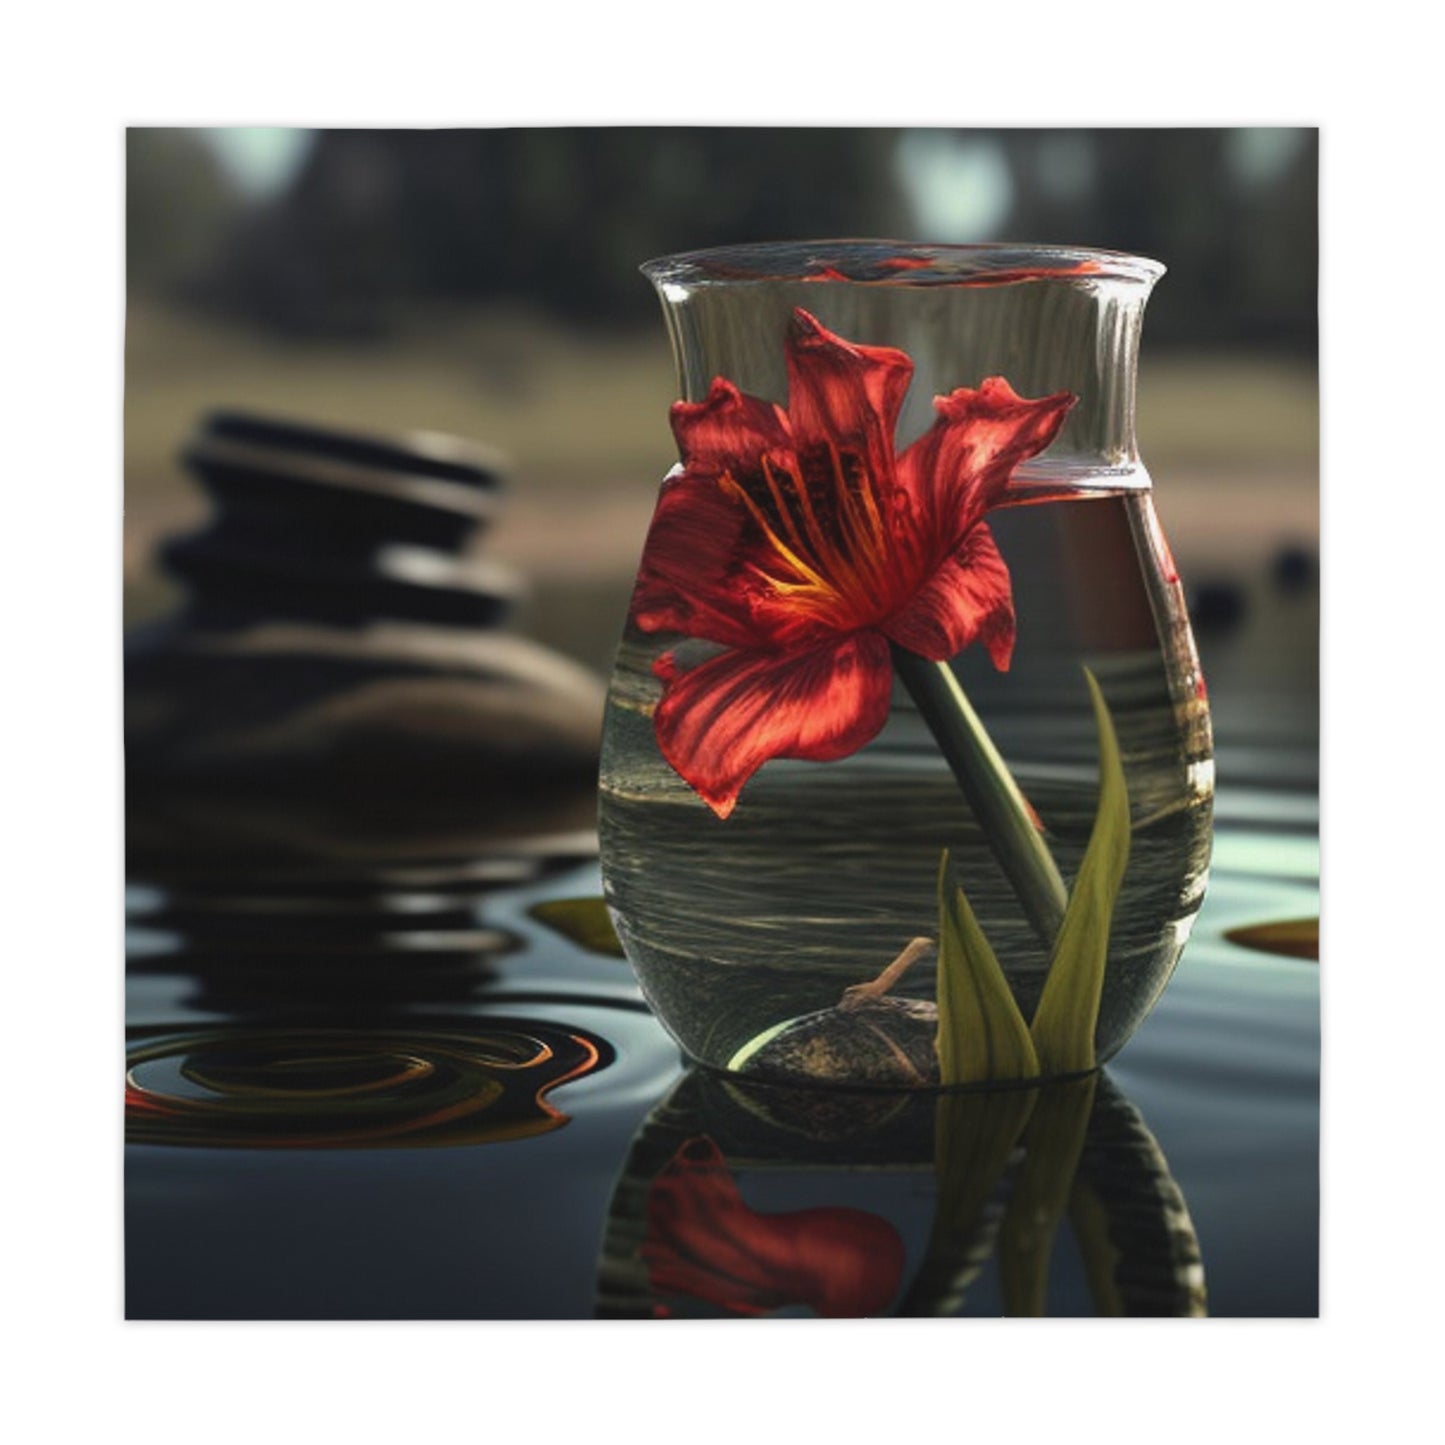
(705, 1243)
(802, 544)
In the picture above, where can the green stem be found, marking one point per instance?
(988, 788)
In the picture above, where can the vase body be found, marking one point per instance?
(739, 926)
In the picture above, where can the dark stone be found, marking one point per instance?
(1294, 569)
(338, 639)
(1217, 607)
(327, 526)
(885, 1043)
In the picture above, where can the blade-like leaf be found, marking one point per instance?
(975, 1134)
(1089, 1222)
(583, 920)
(981, 1033)
(1053, 1143)
(1063, 1028)
(1297, 938)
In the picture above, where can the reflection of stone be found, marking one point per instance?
(1077, 1154)
(335, 635)
(820, 1117)
(174, 830)
(328, 950)
(408, 1086)
(326, 942)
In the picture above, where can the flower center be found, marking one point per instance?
(834, 552)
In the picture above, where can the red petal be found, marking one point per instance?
(959, 468)
(689, 578)
(700, 1236)
(968, 599)
(705, 1242)
(687, 581)
(843, 393)
(727, 430)
(720, 722)
(846, 1264)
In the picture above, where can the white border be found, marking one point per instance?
(79, 73)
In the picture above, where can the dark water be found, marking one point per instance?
(391, 1090)
(348, 1177)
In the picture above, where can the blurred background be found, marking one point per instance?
(485, 283)
(361, 772)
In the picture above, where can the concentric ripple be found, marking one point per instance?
(319, 1088)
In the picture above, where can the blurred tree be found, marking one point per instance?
(559, 217)
(1241, 240)
(377, 221)
(179, 205)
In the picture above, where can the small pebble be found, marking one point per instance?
(1217, 607)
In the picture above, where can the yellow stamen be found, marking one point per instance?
(732, 489)
(783, 509)
(875, 521)
(865, 534)
(816, 535)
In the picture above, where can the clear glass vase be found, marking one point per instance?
(909, 526)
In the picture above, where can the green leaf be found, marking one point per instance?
(974, 1137)
(981, 1033)
(585, 921)
(1052, 1146)
(1296, 938)
(1089, 1221)
(1068, 1011)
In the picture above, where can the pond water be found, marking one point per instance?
(396, 1091)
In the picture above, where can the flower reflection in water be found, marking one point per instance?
(705, 1243)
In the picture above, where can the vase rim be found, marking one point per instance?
(899, 263)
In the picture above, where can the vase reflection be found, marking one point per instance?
(744, 1200)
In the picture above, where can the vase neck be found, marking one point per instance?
(1045, 319)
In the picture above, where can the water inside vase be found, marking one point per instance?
(825, 871)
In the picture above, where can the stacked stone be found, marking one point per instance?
(340, 634)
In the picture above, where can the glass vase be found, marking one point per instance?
(904, 604)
